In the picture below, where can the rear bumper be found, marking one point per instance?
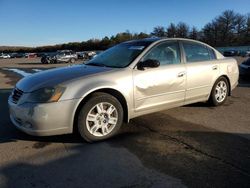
(43, 119)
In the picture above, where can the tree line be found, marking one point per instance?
(228, 29)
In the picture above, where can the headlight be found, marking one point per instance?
(44, 95)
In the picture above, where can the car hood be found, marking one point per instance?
(57, 76)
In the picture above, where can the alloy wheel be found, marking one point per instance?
(101, 119)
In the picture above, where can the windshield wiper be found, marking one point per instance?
(99, 64)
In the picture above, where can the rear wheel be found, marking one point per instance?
(100, 118)
(219, 92)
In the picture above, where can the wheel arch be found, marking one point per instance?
(229, 83)
(115, 93)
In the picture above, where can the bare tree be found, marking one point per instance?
(247, 31)
(182, 30)
(194, 33)
(171, 30)
(226, 22)
(159, 31)
(210, 33)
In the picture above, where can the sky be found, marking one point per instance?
(48, 22)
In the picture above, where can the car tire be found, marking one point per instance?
(72, 60)
(44, 60)
(219, 92)
(100, 117)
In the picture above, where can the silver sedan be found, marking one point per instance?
(128, 80)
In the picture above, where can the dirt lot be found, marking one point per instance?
(191, 146)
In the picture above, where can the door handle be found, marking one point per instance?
(215, 67)
(181, 74)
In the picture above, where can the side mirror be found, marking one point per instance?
(150, 63)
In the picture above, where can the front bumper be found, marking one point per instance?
(44, 119)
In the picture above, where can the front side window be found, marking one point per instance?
(166, 53)
(196, 52)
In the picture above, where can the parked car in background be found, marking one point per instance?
(91, 54)
(244, 69)
(231, 53)
(32, 55)
(67, 56)
(81, 55)
(40, 54)
(126, 81)
(48, 58)
(245, 54)
(248, 53)
(17, 55)
(5, 56)
(96, 54)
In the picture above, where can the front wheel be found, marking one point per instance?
(72, 60)
(44, 60)
(100, 117)
(219, 92)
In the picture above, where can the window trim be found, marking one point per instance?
(214, 54)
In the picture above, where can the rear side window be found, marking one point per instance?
(196, 52)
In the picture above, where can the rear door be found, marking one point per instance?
(202, 70)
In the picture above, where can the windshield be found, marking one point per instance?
(120, 55)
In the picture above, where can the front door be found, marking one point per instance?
(164, 86)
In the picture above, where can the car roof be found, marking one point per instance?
(151, 39)
(159, 39)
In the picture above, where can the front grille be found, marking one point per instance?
(16, 95)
